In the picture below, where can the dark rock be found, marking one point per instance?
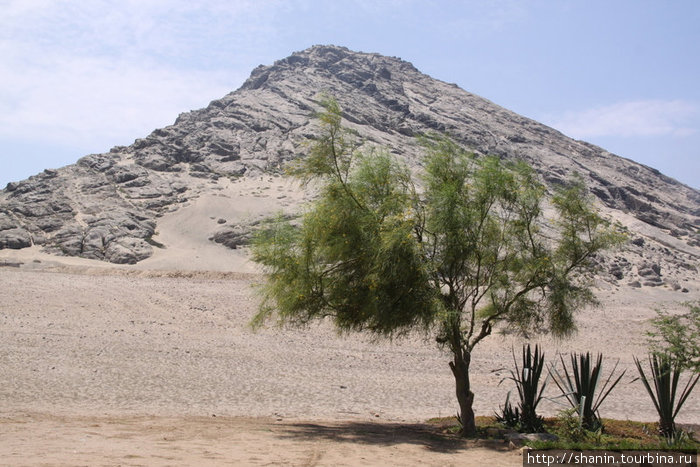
(128, 251)
(639, 241)
(123, 174)
(15, 239)
(50, 223)
(98, 162)
(646, 271)
(233, 236)
(617, 273)
(6, 222)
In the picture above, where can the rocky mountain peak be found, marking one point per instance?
(109, 206)
(334, 62)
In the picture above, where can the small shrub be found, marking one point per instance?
(678, 336)
(570, 427)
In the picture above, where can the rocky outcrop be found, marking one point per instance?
(107, 206)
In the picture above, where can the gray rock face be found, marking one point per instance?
(106, 206)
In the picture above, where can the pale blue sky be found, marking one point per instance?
(79, 77)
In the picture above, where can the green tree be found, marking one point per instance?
(470, 251)
(677, 336)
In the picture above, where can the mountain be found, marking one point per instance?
(112, 206)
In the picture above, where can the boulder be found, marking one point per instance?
(15, 239)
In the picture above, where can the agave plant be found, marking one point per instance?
(510, 415)
(580, 386)
(665, 374)
(527, 382)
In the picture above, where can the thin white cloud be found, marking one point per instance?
(172, 30)
(75, 71)
(92, 100)
(630, 119)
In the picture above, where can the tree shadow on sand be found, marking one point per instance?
(384, 434)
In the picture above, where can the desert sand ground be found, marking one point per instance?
(156, 364)
(226, 441)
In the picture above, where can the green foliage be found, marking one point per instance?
(483, 231)
(570, 428)
(581, 384)
(619, 435)
(510, 415)
(675, 346)
(465, 254)
(354, 258)
(678, 337)
(530, 392)
(665, 375)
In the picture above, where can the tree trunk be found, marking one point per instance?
(465, 397)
